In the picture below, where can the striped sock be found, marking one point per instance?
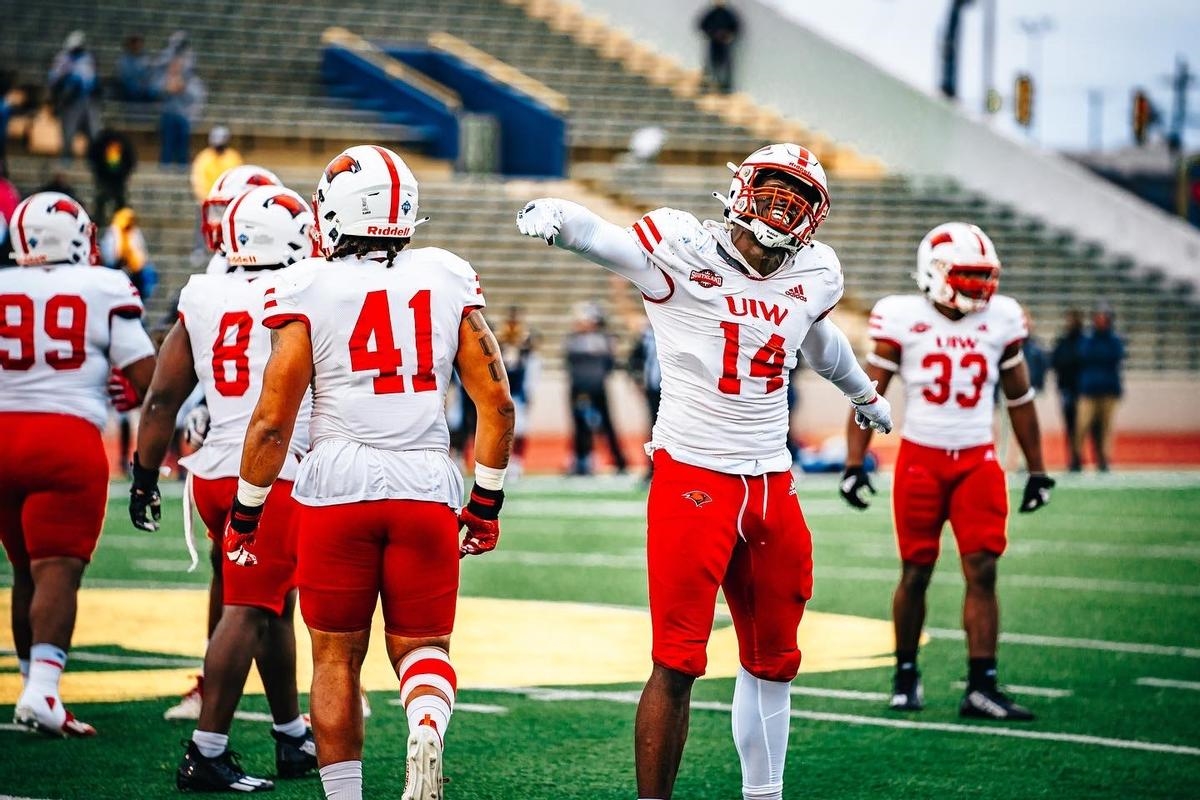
(427, 668)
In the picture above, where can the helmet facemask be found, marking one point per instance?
(784, 214)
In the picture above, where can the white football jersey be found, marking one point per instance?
(223, 317)
(949, 367)
(727, 342)
(61, 327)
(384, 341)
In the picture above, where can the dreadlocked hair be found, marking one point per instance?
(360, 246)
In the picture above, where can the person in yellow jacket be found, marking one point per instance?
(207, 166)
(123, 247)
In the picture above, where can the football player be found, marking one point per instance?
(229, 185)
(376, 328)
(63, 323)
(219, 343)
(950, 345)
(731, 302)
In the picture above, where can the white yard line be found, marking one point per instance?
(1077, 644)
(1032, 691)
(840, 694)
(886, 722)
(1165, 683)
(178, 565)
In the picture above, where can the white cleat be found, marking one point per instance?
(47, 715)
(188, 706)
(423, 771)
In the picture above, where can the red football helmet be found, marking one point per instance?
(776, 215)
(957, 266)
(52, 228)
(229, 185)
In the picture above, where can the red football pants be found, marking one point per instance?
(266, 584)
(53, 486)
(966, 487)
(744, 534)
(403, 551)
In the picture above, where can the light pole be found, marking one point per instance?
(1035, 28)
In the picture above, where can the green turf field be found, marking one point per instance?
(1100, 599)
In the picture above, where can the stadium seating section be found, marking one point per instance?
(261, 62)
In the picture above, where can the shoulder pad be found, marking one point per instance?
(669, 224)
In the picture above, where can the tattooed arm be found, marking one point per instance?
(485, 380)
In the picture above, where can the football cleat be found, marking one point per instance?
(423, 772)
(221, 773)
(992, 704)
(907, 692)
(294, 755)
(47, 715)
(188, 706)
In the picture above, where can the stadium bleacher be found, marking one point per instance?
(267, 88)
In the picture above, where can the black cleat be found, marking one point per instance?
(907, 694)
(220, 774)
(294, 755)
(992, 704)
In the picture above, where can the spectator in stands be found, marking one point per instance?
(112, 159)
(1035, 359)
(123, 247)
(590, 360)
(73, 89)
(517, 349)
(1065, 362)
(720, 25)
(10, 198)
(12, 100)
(58, 182)
(135, 81)
(643, 366)
(1100, 355)
(182, 94)
(207, 166)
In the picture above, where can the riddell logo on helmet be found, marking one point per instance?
(389, 230)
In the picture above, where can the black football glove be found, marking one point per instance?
(144, 497)
(481, 519)
(1037, 492)
(854, 480)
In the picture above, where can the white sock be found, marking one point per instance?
(761, 718)
(342, 781)
(295, 729)
(210, 744)
(23, 666)
(46, 665)
(427, 667)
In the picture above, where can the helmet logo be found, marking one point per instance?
(942, 238)
(341, 164)
(66, 206)
(406, 207)
(258, 179)
(243, 238)
(292, 205)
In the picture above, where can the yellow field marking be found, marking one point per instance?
(497, 643)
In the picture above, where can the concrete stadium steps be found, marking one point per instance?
(875, 226)
(473, 217)
(261, 65)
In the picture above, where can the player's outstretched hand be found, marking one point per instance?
(481, 518)
(195, 426)
(121, 392)
(145, 503)
(239, 533)
(873, 411)
(854, 480)
(1037, 492)
(541, 218)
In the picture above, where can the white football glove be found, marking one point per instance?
(873, 411)
(541, 218)
(195, 426)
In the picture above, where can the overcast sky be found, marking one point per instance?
(1110, 45)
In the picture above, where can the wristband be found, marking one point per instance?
(1022, 400)
(243, 519)
(142, 476)
(489, 477)
(250, 495)
(485, 503)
